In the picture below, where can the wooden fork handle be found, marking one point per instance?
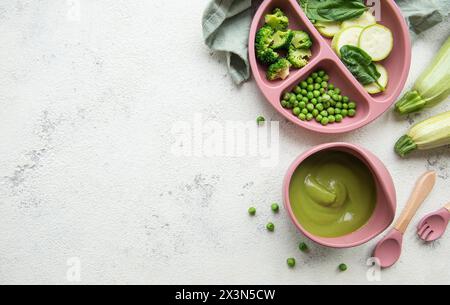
(447, 206)
(423, 188)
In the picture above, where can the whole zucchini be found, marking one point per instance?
(431, 133)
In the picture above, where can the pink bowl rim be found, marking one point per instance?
(287, 204)
(379, 108)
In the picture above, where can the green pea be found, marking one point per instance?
(310, 107)
(296, 111)
(302, 116)
(319, 107)
(304, 92)
(295, 104)
(344, 113)
(319, 80)
(337, 111)
(284, 103)
(305, 100)
(293, 98)
(324, 85)
(310, 88)
(305, 111)
(324, 121)
(260, 120)
(297, 89)
(326, 77)
(291, 262)
(321, 73)
(339, 118)
(343, 267)
(331, 86)
(330, 92)
(345, 99)
(303, 247)
(324, 113)
(351, 113)
(332, 103)
(302, 105)
(303, 85)
(310, 95)
(309, 117)
(345, 106)
(319, 118)
(286, 96)
(289, 106)
(314, 101)
(339, 105)
(352, 105)
(310, 80)
(270, 227)
(252, 211)
(326, 97)
(336, 97)
(316, 93)
(337, 90)
(322, 90)
(326, 104)
(299, 97)
(330, 111)
(314, 75)
(331, 119)
(340, 98)
(317, 86)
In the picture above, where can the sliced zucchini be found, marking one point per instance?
(328, 29)
(348, 36)
(364, 20)
(377, 41)
(374, 88)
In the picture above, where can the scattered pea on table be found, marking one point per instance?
(252, 211)
(260, 120)
(303, 247)
(270, 227)
(275, 207)
(343, 267)
(291, 262)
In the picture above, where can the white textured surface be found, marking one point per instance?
(86, 169)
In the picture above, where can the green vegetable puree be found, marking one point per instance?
(332, 194)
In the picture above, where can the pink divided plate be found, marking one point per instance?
(370, 107)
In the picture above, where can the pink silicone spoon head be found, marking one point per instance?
(389, 249)
(434, 225)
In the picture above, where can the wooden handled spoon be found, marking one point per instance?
(389, 249)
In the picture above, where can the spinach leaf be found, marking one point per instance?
(333, 10)
(360, 65)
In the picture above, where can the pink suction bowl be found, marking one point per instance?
(385, 209)
(369, 107)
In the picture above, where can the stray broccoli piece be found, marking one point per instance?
(263, 44)
(277, 20)
(298, 57)
(301, 40)
(282, 39)
(280, 69)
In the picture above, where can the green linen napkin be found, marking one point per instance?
(226, 25)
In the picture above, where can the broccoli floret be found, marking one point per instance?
(282, 39)
(301, 40)
(268, 56)
(298, 57)
(263, 45)
(264, 38)
(277, 20)
(280, 69)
